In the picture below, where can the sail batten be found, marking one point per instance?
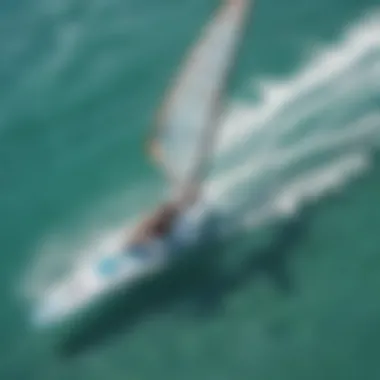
(189, 118)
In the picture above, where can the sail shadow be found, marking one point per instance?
(271, 262)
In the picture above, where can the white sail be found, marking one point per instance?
(189, 118)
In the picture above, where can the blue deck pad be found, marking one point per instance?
(108, 266)
(142, 253)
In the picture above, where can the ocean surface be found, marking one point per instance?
(293, 292)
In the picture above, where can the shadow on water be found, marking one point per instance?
(271, 261)
(200, 281)
(199, 284)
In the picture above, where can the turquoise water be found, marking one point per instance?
(293, 292)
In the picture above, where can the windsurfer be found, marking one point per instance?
(190, 89)
(161, 222)
(156, 225)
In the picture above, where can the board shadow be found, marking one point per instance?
(199, 284)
